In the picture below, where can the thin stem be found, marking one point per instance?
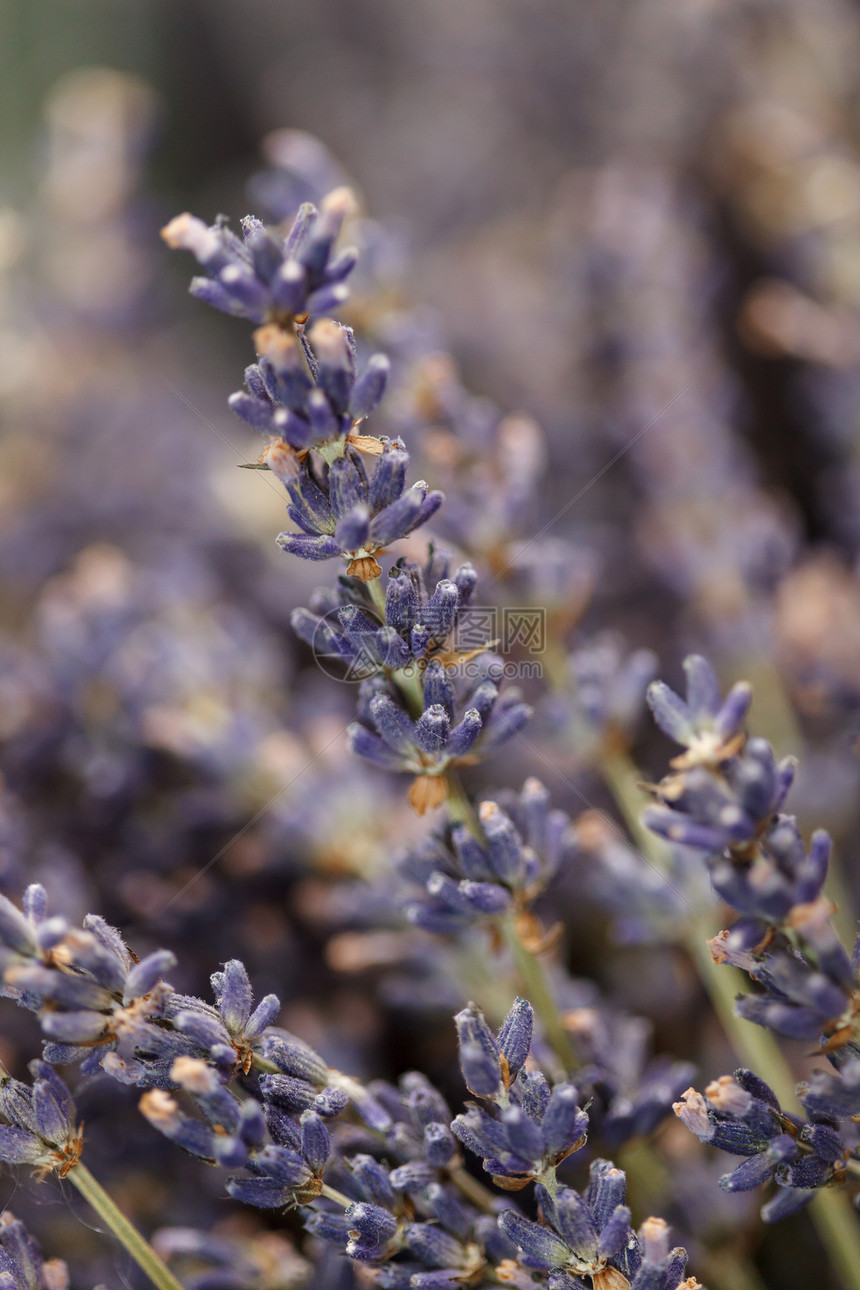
(549, 1181)
(473, 1190)
(263, 1064)
(460, 808)
(537, 991)
(140, 1250)
(835, 1219)
(337, 1196)
(377, 595)
(622, 779)
(411, 685)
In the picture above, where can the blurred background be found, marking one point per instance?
(614, 251)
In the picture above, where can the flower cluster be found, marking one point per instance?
(21, 1264)
(589, 1235)
(741, 1115)
(609, 686)
(264, 277)
(722, 802)
(306, 393)
(422, 608)
(452, 726)
(464, 879)
(524, 1128)
(376, 1167)
(361, 952)
(99, 1006)
(39, 1125)
(341, 511)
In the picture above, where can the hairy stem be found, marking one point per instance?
(140, 1250)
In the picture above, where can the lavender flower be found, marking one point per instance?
(710, 812)
(38, 1124)
(264, 277)
(99, 1006)
(741, 1115)
(589, 1235)
(710, 728)
(631, 1091)
(340, 511)
(21, 1264)
(609, 685)
(307, 394)
(525, 1128)
(422, 607)
(464, 880)
(450, 728)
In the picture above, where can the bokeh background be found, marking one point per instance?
(636, 222)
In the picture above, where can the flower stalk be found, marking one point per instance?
(125, 1232)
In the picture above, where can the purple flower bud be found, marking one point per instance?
(316, 1145)
(372, 1222)
(440, 1145)
(432, 1245)
(146, 974)
(564, 1123)
(515, 1036)
(481, 1068)
(369, 388)
(538, 1247)
(262, 1193)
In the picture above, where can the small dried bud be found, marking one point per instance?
(427, 792)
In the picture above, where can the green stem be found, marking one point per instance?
(337, 1196)
(835, 1219)
(460, 808)
(538, 993)
(622, 779)
(377, 595)
(128, 1236)
(263, 1064)
(473, 1190)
